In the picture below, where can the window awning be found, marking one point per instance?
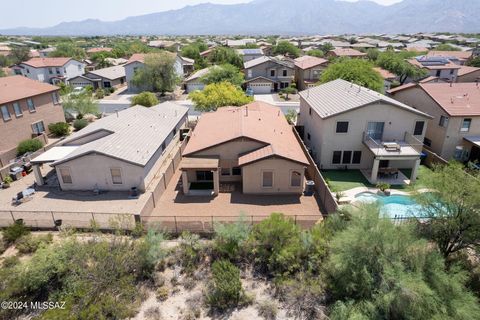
(54, 154)
(475, 140)
(199, 163)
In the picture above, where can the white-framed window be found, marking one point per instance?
(5, 113)
(55, 98)
(38, 127)
(342, 127)
(17, 109)
(66, 175)
(116, 175)
(267, 179)
(31, 105)
(443, 121)
(466, 123)
(295, 179)
(418, 130)
(50, 71)
(249, 73)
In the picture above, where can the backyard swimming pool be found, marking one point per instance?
(392, 206)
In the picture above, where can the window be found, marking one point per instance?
(418, 128)
(31, 105)
(28, 70)
(64, 70)
(295, 179)
(57, 70)
(438, 73)
(249, 73)
(225, 171)
(5, 113)
(452, 71)
(467, 122)
(272, 73)
(50, 71)
(55, 98)
(357, 157)
(17, 109)
(116, 175)
(66, 176)
(427, 142)
(308, 136)
(79, 67)
(236, 171)
(337, 156)
(443, 121)
(38, 127)
(107, 84)
(267, 179)
(347, 157)
(375, 130)
(204, 175)
(284, 72)
(342, 127)
(310, 111)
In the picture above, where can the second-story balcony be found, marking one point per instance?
(408, 147)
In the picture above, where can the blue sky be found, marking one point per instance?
(44, 13)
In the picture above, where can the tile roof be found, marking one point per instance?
(466, 70)
(132, 136)
(17, 87)
(461, 55)
(457, 99)
(263, 59)
(46, 62)
(101, 49)
(258, 121)
(111, 73)
(137, 57)
(341, 96)
(385, 73)
(347, 52)
(307, 62)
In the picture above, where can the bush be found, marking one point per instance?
(230, 238)
(225, 290)
(59, 129)
(30, 244)
(146, 99)
(79, 124)
(162, 293)
(190, 252)
(99, 94)
(14, 232)
(268, 310)
(10, 262)
(30, 145)
(111, 90)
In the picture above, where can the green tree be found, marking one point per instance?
(475, 62)
(146, 99)
(291, 89)
(29, 145)
(398, 65)
(451, 208)
(326, 47)
(316, 53)
(224, 55)
(446, 47)
(286, 48)
(372, 54)
(224, 73)
(358, 71)
(158, 74)
(68, 50)
(20, 54)
(217, 95)
(377, 270)
(225, 290)
(230, 238)
(81, 104)
(2, 73)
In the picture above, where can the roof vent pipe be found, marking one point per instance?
(116, 111)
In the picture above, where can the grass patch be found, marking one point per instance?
(342, 180)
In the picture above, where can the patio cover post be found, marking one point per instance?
(216, 182)
(376, 164)
(185, 182)
(413, 176)
(38, 175)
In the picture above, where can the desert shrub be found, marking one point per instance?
(14, 232)
(3, 246)
(153, 313)
(99, 94)
(30, 244)
(190, 252)
(146, 99)
(189, 283)
(59, 129)
(10, 262)
(79, 124)
(30, 145)
(111, 90)
(267, 309)
(194, 304)
(162, 293)
(230, 238)
(225, 290)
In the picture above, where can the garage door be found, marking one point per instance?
(259, 88)
(195, 86)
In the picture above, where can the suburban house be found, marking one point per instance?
(44, 53)
(239, 43)
(456, 111)
(194, 82)
(437, 67)
(183, 66)
(50, 70)
(347, 126)
(388, 77)
(250, 54)
(345, 52)
(27, 108)
(252, 147)
(111, 77)
(468, 74)
(308, 71)
(118, 152)
(457, 57)
(268, 74)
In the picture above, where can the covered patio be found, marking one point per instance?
(200, 176)
(49, 156)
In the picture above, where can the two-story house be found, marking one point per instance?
(250, 54)
(456, 111)
(51, 70)
(347, 126)
(308, 70)
(183, 67)
(27, 107)
(268, 74)
(439, 67)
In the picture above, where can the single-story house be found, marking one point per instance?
(110, 77)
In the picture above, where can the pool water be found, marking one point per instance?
(392, 206)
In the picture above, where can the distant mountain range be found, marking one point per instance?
(284, 17)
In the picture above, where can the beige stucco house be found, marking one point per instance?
(456, 111)
(118, 152)
(250, 147)
(308, 71)
(347, 126)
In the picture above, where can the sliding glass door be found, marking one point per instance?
(375, 130)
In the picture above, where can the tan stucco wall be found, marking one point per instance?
(253, 173)
(92, 171)
(469, 77)
(324, 140)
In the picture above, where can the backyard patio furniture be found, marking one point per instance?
(23, 196)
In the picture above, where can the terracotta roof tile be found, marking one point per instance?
(17, 87)
(47, 62)
(347, 52)
(307, 62)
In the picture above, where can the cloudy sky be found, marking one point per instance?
(44, 13)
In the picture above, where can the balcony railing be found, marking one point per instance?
(409, 146)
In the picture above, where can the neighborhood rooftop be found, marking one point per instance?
(47, 62)
(339, 96)
(133, 135)
(111, 73)
(307, 62)
(17, 87)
